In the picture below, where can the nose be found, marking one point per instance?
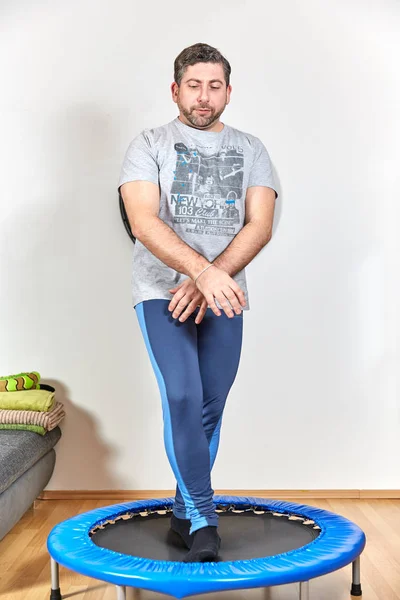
(203, 96)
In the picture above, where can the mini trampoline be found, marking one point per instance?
(264, 543)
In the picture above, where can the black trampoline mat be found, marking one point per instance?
(244, 536)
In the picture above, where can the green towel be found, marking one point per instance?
(40, 400)
(21, 381)
(35, 428)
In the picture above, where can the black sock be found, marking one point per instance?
(205, 545)
(182, 528)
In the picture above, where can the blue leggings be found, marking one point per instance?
(195, 366)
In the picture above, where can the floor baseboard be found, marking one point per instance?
(127, 495)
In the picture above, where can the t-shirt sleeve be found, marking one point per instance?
(261, 169)
(140, 162)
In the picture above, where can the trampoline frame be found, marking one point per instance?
(304, 586)
(69, 544)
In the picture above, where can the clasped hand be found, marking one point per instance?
(213, 284)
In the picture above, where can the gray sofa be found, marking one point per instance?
(27, 462)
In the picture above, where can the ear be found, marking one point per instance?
(174, 90)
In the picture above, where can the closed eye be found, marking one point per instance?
(212, 87)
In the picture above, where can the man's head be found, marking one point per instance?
(201, 80)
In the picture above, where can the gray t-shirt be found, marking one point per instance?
(203, 177)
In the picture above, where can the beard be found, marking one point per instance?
(200, 121)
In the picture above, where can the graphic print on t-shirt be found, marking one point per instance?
(206, 189)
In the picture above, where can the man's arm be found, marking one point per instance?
(256, 233)
(142, 205)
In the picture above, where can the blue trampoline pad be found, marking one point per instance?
(264, 543)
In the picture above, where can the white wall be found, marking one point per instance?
(316, 400)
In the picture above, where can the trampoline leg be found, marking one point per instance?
(121, 592)
(356, 584)
(55, 593)
(304, 590)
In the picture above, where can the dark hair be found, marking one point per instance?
(199, 53)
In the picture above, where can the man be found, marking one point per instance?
(200, 198)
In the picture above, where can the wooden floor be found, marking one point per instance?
(25, 567)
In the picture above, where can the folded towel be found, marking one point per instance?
(42, 400)
(21, 381)
(35, 428)
(48, 420)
